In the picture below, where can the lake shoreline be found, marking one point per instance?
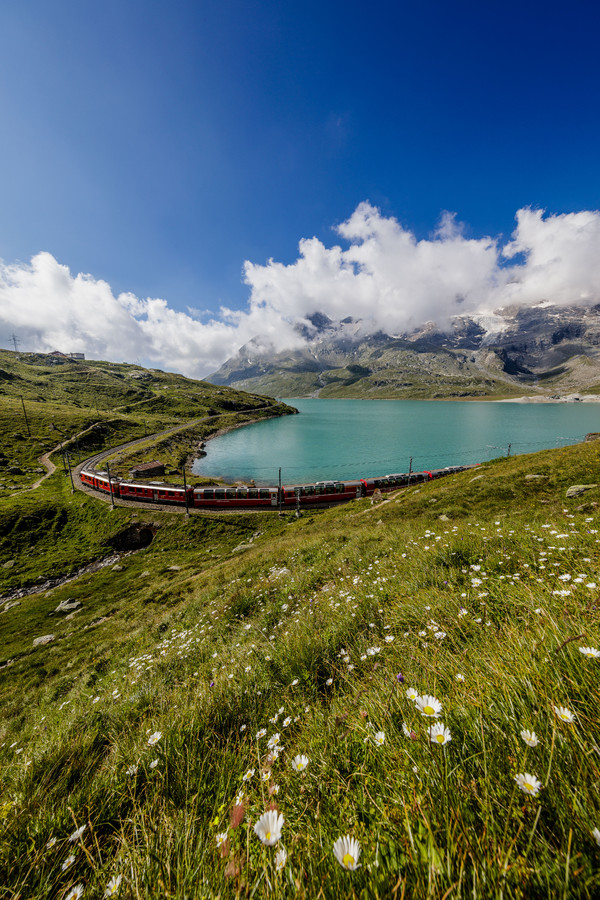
(567, 398)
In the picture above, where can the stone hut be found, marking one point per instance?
(148, 470)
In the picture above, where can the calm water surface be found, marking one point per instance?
(357, 438)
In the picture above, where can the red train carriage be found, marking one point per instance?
(156, 493)
(99, 481)
(241, 496)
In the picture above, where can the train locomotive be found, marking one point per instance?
(291, 496)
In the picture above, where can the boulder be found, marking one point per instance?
(576, 489)
(9, 605)
(45, 639)
(67, 606)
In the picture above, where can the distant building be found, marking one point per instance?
(147, 470)
(67, 355)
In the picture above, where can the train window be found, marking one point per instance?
(253, 494)
(220, 495)
(230, 493)
(309, 491)
(319, 489)
(340, 488)
(170, 493)
(264, 494)
(208, 494)
(242, 493)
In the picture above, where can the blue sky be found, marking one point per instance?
(158, 146)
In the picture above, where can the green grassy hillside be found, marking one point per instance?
(87, 407)
(249, 663)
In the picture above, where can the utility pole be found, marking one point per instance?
(25, 414)
(509, 446)
(112, 499)
(15, 341)
(409, 471)
(70, 473)
(187, 507)
(279, 492)
(297, 502)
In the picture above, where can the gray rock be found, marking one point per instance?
(173, 568)
(117, 568)
(38, 642)
(534, 477)
(576, 489)
(67, 606)
(241, 547)
(443, 518)
(145, 573)
(8, 564)
(9, 605)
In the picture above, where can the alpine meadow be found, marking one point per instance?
(395, 697)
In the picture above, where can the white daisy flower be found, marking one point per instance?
(592, 652)
(429, 706)
(596, 835)
(113, 886)
(273, 740)
(439, 734)
(379, 738)
(564, 714)
(75, 892)
(249, 774)
(300, 762)
(68, 863)
(77, 834)
(268, 828)
(529, 784)
(412, 694)
(260, 733)
(347, 852)
(280, 858)
(154, 738)
(530, 737)
(221, 838)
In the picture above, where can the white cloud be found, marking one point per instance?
(384, 276)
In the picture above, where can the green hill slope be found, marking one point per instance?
(245, 663)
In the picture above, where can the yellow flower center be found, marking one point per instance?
(268, 835)
(527, 786)
(428, 710)
(439, 738)
(348, 860)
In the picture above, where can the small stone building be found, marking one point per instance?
(148, 470)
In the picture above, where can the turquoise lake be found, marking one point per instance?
(343, 439)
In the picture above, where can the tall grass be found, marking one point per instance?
(316, 634)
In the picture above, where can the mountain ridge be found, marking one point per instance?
(544, 350)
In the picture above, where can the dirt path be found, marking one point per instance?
(45, 460)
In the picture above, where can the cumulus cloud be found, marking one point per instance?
(384, 276)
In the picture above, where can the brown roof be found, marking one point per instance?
(148, 466)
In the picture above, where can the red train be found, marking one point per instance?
(290, 496)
